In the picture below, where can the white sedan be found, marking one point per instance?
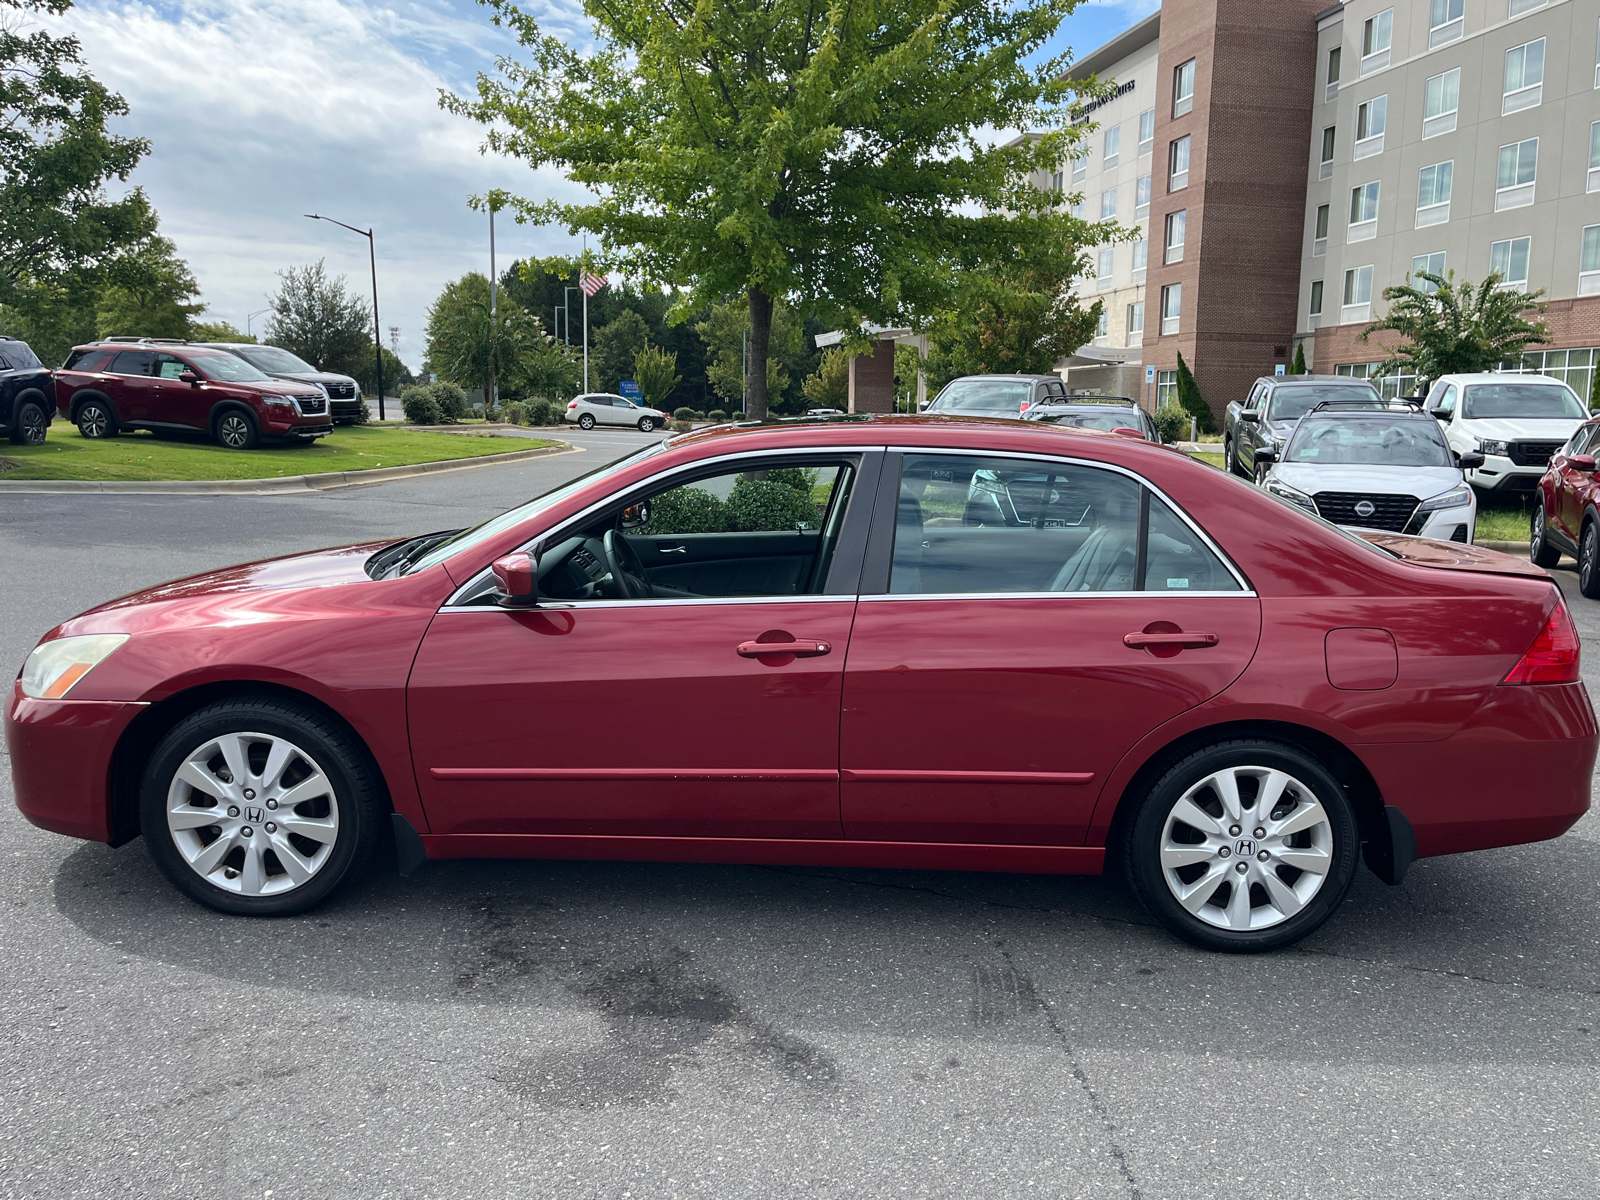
(607, 408)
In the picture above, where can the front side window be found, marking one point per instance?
(1171, 307)
(1175, 234)
(1524, 78)
(1376, 35)
(1183, 89)
(1509, 260)
(1518, 167)
(1441, 101)
(1112, 146)
(1444, 21)
(1434, 184)
(169, 367)
(1147, 130)
(1178, 164)
(984, 525)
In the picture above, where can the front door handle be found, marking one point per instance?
(799, 648)
(674, 550)
(1178, 641)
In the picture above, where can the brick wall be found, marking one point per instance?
(872, 380)
(1573, 323)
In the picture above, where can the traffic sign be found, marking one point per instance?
(1278, 369)
(1149, 374)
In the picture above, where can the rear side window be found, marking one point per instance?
(5, 364)
(134, 362)
(86, 360)
(995, 525)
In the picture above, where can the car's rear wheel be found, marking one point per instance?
(236, 429)
(1231, 453)
(1589, 561)
(646, 424)
(586, 421)
(1243, 846)
(96, 420)
(259, 807)
(1540, 550)
(28, 424)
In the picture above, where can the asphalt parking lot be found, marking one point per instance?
(489, 1029)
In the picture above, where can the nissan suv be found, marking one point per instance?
(344, 394)
(1517, 422)
(169, 386)
(25, 391)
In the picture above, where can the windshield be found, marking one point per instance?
(983, 395)
(271, 358)
(1368, 441)
(495, 526)
(1101, 420)
(1524, 400)
(1292, 403)
(224, 367)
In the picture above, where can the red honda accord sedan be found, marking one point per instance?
(894, 642)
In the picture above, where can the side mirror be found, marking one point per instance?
(1470, 461)
(1265, 458)
(189, 377)
(1250, 415)
(635, 516)
(1581, 462)
(516, 580)
(1439, 414)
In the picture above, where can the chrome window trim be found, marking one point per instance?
(1247, 594)
(482, 576)
(1178, 509)
(661, 602)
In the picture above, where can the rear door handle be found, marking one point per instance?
(800, 649)
(1183, 641)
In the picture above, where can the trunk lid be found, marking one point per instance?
(1451, 556)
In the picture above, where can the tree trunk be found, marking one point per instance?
(755, 407)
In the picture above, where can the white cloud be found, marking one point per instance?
(261, 110)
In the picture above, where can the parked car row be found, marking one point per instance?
(239, 393)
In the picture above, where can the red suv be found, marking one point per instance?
(165, 386)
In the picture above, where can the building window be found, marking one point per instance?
(1147, 131)
(1575, 368)
(1371, 120)
(1319, 240)
(1166, 388)
(1175, 230)
(1357, 295)
(1589, 263)
(1135, 318)
(1444, 21)
(1141, 196)
(1441, 99)
(1594, 157)
(1518, 7)
(1141, 257)
(1519, 163)
(1597, 56)
(1433, 193)
(1426, 264)
(1058, 182)
(1178, 165)
(1183, 89)
(1524, 86)
(1080, 168)
(1171, 307)
(1376, 35)
(1316, 297)
(1108, 204)
(1509, 260)
(1333, 72)
(1075, 209)
(1112, 146)
(1106, 266)
(1329, 135)
(1103, 325)
(1363, 212)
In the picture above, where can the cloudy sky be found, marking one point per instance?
(261, 110)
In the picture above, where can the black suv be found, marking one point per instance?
(27, 396)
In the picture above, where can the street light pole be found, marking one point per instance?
(377, 329)
(566, 311)
(248, 317)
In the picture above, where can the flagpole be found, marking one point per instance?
(586, 339)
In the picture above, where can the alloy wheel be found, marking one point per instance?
(586, 422)
(33, 425)
(1246, 848)
(233, 431)
(93, 422)
(252, 813)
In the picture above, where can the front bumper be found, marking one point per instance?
(1450, 524)
(297, 432)
(61, 754)
(346, 410)
(1500, 474)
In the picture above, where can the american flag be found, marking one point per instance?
(592, 283)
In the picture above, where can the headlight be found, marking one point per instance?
(1293, 495)
(1501, 449)
(54, 668)
(1455, 498)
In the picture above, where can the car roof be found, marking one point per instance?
(1299, 380)
(1501, 377)
(1007, 378)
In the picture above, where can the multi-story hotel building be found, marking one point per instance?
(1288, 164)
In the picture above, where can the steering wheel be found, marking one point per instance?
(625, 567)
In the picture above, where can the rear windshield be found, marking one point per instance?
(271, 358)
(222, 366)
(983, 395)
(1369, 441)
(1292, 403)
(1524, 400)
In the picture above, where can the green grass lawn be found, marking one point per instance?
(67, 455)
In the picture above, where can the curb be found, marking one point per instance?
(287, 485)
(1505, 547)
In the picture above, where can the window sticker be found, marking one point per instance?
(1177, 583)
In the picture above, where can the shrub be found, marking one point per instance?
(1172, 423)
(419, 406)
(717, 415)
(768, 504)
(452, 402)
(687, 510)
(683, 414)
(516, 413)
(737, 416)
(681, 427)
(538, 411)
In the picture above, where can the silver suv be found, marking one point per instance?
(608, 408)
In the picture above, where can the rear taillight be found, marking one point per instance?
(571, 404)
(1553, 657)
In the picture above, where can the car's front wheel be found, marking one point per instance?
(1589, 561)
(586, 421)
(28, 424)
(237, 430)
(1540, 550)
(1244, 846)
(646, 424)
(258, 807)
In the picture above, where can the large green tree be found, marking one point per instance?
(149, 292)
(1455, 328)
(1021, 320)
(836, 156)
(730, 345)
(316, 316)
(613, 347)
(472, 346)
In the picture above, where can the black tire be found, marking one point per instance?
(1141, 847)
(346, 766)
(1540, 551)
(1588, 567)
(586, 421)
(237, 429)
(647, 424)
(96, 419)
(1231, 450)
(28, 423)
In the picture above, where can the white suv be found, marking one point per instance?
(1515, 421)
(607, 408)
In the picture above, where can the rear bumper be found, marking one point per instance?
(1518, 771)
(61, 752)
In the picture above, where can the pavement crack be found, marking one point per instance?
(1446, 973)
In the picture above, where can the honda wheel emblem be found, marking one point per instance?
(1365, 508)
